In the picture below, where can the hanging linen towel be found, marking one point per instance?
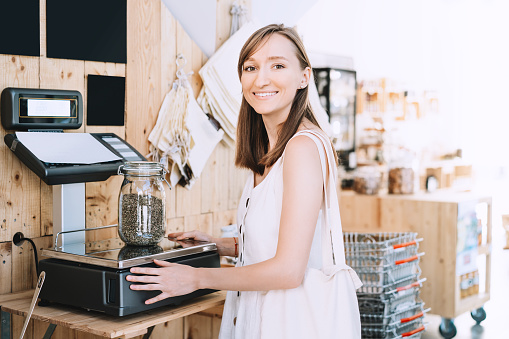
(239, 15)
(183, 137)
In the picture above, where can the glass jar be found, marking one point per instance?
(367, 180)
(142, 203)
(401, 177)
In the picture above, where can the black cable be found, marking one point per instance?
(18, 240)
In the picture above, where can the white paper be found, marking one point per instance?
(67, 148)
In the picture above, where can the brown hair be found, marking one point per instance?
(252, 140)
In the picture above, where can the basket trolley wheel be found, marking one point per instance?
(447, 328)
(478, 315)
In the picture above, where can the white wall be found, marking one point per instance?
(458, 47)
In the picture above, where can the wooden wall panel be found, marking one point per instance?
(200, 222)
(221, 176)
(223, 218)
(168, 75)
(23, 268)
(175, 225)
(144, 68)
(168, 50)
(208, 188)
(5, 267)
(237, 182)
(24, 275)
(19, 187)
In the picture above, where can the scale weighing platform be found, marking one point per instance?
(75, 276)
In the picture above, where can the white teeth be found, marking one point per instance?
(265, 94)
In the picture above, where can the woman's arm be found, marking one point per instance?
(302, 198)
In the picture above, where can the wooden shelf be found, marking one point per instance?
(104, 325)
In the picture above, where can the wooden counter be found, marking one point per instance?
(101, 324)
(436, 217)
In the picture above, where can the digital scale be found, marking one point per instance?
(97, 280)
(75, 276)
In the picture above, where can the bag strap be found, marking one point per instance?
(331, 234)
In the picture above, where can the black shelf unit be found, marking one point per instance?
(337, 90)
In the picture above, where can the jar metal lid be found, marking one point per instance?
(141, 168)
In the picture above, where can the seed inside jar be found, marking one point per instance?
(141, 219)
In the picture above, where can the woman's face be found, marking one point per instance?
(271, 77)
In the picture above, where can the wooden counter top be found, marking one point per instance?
(106, 325)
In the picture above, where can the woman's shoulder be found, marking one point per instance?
(310, 132)
(310, 141)
(305, 141)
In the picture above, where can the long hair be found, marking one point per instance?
(252, 139)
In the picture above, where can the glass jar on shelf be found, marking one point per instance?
(367, 180)
(402, 176)
(142, 203)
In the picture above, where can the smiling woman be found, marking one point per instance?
(291, 280)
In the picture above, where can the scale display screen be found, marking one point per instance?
(47, 108)
(24, 109)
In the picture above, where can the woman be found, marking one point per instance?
(285, 249)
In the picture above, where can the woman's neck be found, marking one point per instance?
(272, 134)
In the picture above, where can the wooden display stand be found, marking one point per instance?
(436, 217)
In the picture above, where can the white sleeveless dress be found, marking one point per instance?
(258, 218)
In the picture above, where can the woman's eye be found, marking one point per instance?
(249, 68)
(279, 66)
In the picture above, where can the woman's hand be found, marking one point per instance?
(195, 235)
(225, 246)
(169, 278)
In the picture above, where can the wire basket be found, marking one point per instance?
(383, 275)
(375, 305)
(397, 287)
(412, 329)
(397, 316)
(379, 248)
